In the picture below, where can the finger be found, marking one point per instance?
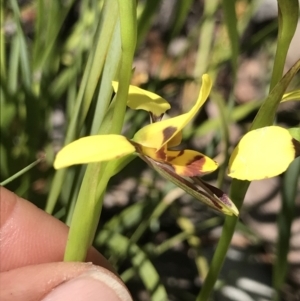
(31, 236)
(62, 281)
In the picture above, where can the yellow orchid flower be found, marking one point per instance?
(263, 153)
(152, 143)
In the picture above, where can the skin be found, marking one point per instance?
(32, 245)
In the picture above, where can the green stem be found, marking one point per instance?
(89, 203)
(285, 219)
(127, 12)
(86, 215)
(288, 14)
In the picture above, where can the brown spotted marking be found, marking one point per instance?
(194, 166)
(161, 154)
(171, 158)
(168, 133)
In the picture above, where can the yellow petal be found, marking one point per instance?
(263, 153)
(160, 133)
(140, 99)
(189, 163)
(93, 149)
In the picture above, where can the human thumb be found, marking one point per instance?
(92, 285)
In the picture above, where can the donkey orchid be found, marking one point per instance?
(152, 143)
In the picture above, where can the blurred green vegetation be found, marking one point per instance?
(58, 59)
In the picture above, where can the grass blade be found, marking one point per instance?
(231, 23)
(21, 172)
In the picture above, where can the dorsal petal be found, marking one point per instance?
(93, 149)
(160, 133)
(140, 99)
(263, 153)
